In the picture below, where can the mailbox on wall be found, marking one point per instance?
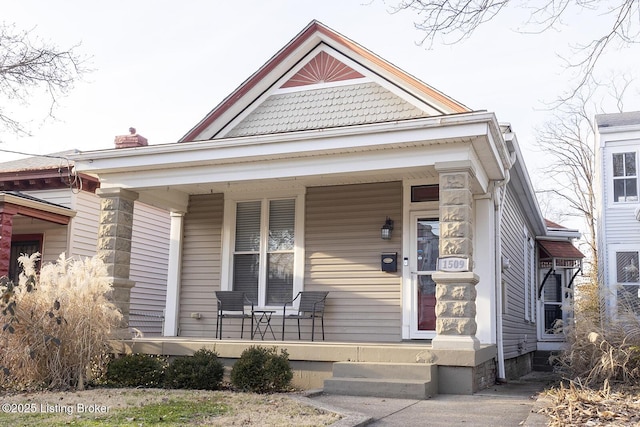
(389, 262)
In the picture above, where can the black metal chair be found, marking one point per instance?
(233, 305)
(311, 306)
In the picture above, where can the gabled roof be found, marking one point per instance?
(44, 172)
(48, 161)
(312, 82)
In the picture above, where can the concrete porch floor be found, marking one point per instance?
(312, 362)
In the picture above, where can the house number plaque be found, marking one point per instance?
(453, 264)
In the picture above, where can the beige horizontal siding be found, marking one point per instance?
(149, 263)
(200, 275)
(515, 327)
(84, 226)
(343, 248)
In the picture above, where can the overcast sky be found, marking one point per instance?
(160, 66)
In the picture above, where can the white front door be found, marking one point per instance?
(423, 255)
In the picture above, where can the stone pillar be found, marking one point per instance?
(455, 290)
(114, 246)
(6, 230)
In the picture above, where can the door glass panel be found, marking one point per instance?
(428, 242)
(19, 248)
(553, 304)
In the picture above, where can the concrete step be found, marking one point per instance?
(379, 387)
(541, 362)
(410, 371)
(379, 379)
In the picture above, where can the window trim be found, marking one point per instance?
(612, 266)
(228, 240)
(612, 179)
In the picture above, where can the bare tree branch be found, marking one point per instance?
(455, 20)
(568, 139)
(29, 65)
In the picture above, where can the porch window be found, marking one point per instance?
(263, 257)
(625, 179)
(23, 244)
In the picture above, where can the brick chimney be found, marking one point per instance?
(131, 141)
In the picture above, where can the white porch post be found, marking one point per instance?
(456, 291)
(172, 304)
(485, 266)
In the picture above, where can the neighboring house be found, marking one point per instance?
(55, 211)
(618, 212)
(286, 184)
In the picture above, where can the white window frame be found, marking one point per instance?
(613, 179)
(228, 240)
(613, 274)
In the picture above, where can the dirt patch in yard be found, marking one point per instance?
(243, 408)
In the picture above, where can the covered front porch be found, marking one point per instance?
(456, 371)
(278, 214)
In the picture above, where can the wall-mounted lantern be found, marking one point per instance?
(385, 231)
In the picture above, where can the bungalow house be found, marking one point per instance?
(618, 209)
(47, 208)
(330, 169)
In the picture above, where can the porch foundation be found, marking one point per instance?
(459, 371)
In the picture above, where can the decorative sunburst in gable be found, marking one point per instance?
(323, 68)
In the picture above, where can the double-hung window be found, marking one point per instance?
(625, 177)
(628, 279)
(263, 260)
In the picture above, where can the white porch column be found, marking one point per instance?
(456, 291)
(172, 306)
(485, 266)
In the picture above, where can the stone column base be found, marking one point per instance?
(455, 311)
(451, 342)
(121, 297)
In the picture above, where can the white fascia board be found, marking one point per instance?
(619, 129)
(356, 162)
(292, 145)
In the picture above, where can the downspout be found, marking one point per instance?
(499, 207)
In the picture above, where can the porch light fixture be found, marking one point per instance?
(385, 231)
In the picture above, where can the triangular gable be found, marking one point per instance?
(326, 91)
(318, 56)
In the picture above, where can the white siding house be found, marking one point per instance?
(47, 180)
(618, 141)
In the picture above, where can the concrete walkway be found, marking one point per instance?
(512, 404)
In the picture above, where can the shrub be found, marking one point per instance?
(202, 371)
(136, 370)
(262, 370)
(55, 328)
(603, 351)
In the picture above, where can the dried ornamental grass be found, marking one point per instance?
(576, 405)
(58, 325)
